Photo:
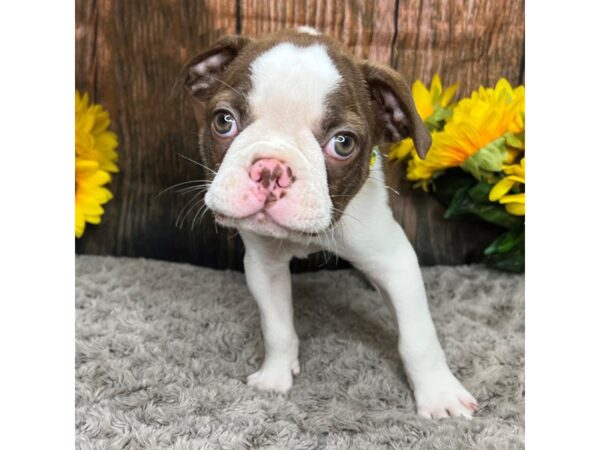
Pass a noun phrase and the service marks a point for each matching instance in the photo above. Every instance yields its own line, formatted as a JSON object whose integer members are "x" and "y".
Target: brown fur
{"x": 357, "y": 105}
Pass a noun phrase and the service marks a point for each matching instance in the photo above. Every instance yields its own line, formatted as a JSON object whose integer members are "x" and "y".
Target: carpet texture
{"x": 163, "y": 349}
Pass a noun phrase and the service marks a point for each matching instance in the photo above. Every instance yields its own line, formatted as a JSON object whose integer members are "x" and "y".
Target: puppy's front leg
{"x": 268, "y": 277}
{"x": 392, "y": 264}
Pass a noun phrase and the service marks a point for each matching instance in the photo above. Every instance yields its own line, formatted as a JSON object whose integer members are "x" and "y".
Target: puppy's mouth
{"x": 260, "y": 221}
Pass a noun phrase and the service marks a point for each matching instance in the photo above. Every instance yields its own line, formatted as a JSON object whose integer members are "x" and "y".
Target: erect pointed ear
{"x": 202, "y": 73}
{"x": 394, "y": 107}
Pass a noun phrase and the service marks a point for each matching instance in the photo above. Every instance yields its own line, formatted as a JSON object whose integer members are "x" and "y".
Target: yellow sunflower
{"x": 429, "y": 101}
{"x": 89, "y": 193}
{"x": 476, "y": 135}
{"x": 95, "y": 157}
{"x": 515, "y": 181}
{"x": 432, "y": 106}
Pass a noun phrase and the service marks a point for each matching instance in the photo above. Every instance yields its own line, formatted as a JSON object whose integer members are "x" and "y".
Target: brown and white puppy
{"x": 288, "y": 123}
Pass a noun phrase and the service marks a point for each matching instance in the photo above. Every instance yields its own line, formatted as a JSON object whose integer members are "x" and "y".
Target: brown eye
{"x": 224, "y": 124}
{"x": 341, "y": 146}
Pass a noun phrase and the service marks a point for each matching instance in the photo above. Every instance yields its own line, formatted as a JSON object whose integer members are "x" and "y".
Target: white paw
{"x": 274, "y": 376}
{"x": 441, "y": 395}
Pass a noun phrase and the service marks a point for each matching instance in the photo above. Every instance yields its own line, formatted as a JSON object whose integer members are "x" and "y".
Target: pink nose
{"x": 271, "y": 177}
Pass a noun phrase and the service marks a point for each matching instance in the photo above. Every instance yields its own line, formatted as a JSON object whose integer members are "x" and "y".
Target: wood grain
{"x": 470, "y": 42}
{"x": 367, "y": 28}
{"x": 128, "y": 57}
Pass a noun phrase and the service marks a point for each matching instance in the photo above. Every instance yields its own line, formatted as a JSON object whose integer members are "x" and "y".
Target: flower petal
{"x": 515, "y": 198}
{"x": 79, "y": 222}
{"x": 516, "y": 169}
{"x": 500, "y": 189}
{"x": 435, "y": 90}
{"x": 93, "y": 219}
{"x": 516, "y": 209}
{"x": 85, "y": 164}
{"x": 422, "y": 100}
{"x": 401, "y": 149}
{"x": 448, "y": 95}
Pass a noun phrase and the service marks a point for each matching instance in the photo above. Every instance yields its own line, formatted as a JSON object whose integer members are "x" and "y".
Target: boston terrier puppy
{"x": 288, "y": 124}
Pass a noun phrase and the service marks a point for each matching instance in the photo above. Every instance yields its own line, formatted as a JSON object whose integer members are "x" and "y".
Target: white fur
{"x": 290, "y": 83}
{"x": 204, "y": 68}
{"x": 368, "y": 236}
{"x": 289, "y": 86}
{"x": 287, "y": 100}
{"x": 308, "y": 30}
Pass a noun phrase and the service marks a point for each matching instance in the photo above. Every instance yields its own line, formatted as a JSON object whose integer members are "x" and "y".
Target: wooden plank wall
{"x": 128, "y": 56}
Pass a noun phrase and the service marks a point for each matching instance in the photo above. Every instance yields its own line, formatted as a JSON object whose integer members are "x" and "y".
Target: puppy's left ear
{"x": 394, "y": 107}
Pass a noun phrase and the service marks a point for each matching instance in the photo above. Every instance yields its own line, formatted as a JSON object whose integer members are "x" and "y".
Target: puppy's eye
{"x": 341, "y": 146}
{"x": 224, "y": 124}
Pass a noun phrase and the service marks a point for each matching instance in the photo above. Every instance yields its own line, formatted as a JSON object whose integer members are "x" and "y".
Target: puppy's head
{"x": 287, "y": 126}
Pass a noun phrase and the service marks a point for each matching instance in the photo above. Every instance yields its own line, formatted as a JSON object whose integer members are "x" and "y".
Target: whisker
{"x": 385, "y": 185}
{"x": 186, "y": 207}
{"x": 333, "y": 243}
{"x": 393, "y": 190}
{"x": 200, "y": 210}
{"x": 187, "y": 190}
{"x": 323, "y": 250}
{"x": 344, "y": 213}
{"x": 181, "y": 184}
{"x": 231, "y": 87}
{"x": 196, "y": 162}
{"x": 203, "y": 214}
{"x": 189, "y": 210}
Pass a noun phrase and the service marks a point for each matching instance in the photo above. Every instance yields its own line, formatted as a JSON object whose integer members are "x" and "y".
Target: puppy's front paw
{"x": 441, "y": 395}
{"x": 274, "y": 377}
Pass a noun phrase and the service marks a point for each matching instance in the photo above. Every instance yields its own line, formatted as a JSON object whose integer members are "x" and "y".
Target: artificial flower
{"x": 432, "y": 106}
{"x": 95, "y": 157}
{"x": 93, "y": 140}
{"x": 89, "y": 194}
{"x": 513, "y": 181}
{"x": 429, "y": 102}
{"x": 475, "y": 136}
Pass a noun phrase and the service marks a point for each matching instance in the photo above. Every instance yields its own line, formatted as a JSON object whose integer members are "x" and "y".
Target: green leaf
{"x": 445, "y": 186}
{"x": 467, "y": 200}
{"x": 507, "y": 241}
{"x": 437, "y": 120}
{"x": 507, "y": 252}
{"x": 513, "y": 261}
{"x": 515, "y": 141}
{"x": 460, "y": 203}
{"x": 483, "y": 163}
{"x": 480, "y": 193}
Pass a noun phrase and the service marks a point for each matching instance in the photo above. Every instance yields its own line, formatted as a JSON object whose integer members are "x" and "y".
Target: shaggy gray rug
{"x": 163, "y": 350}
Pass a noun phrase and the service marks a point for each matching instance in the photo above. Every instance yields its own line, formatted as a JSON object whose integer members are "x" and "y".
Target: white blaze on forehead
{"x": 290, "y": 84}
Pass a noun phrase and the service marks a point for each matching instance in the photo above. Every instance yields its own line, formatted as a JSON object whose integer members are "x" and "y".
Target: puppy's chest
{"x": 361, "y": 220}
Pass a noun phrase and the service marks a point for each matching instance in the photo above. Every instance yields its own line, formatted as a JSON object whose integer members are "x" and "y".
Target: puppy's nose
{"x": 271, "y": 176}
{"x": 271, "y": 172}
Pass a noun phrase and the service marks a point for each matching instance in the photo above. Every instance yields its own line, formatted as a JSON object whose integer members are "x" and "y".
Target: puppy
{"x": 288, "y": 124}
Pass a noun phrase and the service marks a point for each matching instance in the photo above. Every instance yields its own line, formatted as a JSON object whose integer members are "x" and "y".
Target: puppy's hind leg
{"x": 269, "y": 281}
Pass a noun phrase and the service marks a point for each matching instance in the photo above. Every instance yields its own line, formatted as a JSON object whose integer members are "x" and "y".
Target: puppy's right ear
{"x": 394, "y": 107}
{"x": 201, "y": 75}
